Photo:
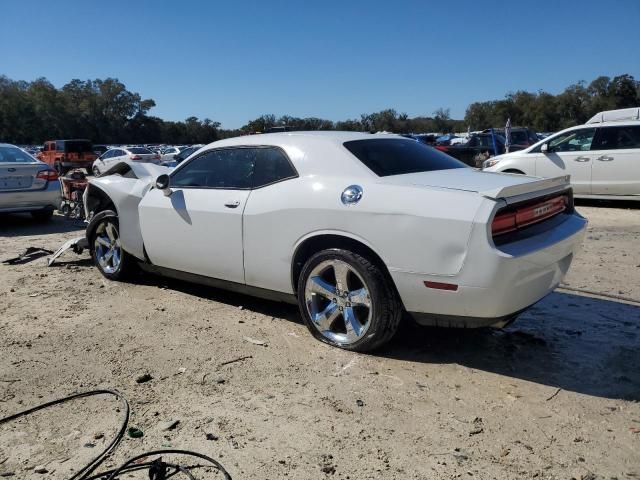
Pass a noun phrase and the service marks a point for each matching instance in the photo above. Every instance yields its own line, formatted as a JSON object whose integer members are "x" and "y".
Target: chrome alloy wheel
{"x": 107, "y": 247}
{"x": 338, "y": 302}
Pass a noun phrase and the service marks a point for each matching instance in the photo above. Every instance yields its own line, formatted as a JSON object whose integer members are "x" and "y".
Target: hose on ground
{"x": 157, "y": 468}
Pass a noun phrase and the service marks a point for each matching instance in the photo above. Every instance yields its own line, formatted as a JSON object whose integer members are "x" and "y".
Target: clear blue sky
{"x": 232, "y": 61}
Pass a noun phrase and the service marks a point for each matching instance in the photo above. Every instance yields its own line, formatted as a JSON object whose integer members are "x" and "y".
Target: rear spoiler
{"x": 523, "y": 191}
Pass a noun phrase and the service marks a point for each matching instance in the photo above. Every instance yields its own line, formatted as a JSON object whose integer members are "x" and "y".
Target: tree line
{"x": 105, "y": 111}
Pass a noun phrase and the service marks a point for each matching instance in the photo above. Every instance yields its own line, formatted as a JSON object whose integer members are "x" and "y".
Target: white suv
{"x": 602, "y": 156}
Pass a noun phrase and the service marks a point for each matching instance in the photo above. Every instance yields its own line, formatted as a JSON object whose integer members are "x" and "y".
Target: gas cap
{"x": 351, "y": 195}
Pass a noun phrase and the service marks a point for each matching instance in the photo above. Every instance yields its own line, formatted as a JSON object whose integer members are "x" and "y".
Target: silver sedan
{"x": 27, "y": 184}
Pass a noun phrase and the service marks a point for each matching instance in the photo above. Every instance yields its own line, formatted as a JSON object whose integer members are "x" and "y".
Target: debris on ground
{"x": 144, "y": 378}
{"x": 260, "y": 343}
{"x": 29, "y": 255}
{"x": 135, "y": 432}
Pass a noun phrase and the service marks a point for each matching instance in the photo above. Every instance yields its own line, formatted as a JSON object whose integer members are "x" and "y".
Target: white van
{"x": 602, "y": 156}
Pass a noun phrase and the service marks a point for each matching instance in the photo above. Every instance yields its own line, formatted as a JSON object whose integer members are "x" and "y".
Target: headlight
{"x": 490, "y": 163}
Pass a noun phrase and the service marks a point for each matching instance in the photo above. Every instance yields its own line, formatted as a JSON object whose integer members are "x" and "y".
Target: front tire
{"x": 107, "y": 252}
{"x": 347, "y": 300}
{"x": 96, "y": 172}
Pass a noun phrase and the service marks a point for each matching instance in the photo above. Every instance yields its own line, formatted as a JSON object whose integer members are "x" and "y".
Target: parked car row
{"x": 602, "y": 157}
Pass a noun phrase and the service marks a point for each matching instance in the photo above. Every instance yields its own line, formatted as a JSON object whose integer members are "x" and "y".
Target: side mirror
{"x": 544, "y": 148}
{"x": 162, "y": 183}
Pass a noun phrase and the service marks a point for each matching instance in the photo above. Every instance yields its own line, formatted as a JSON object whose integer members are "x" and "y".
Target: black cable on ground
{"x": 158, "y": 470}
{"x": 212, "y": 461}
{"x": 93, "y": 464}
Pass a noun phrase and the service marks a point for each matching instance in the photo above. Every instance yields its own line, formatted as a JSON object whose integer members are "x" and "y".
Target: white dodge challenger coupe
{"x": 354, "y": 228}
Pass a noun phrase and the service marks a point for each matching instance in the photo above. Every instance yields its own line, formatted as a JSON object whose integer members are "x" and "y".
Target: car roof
{"x": 315, "y": 152}
{"x": 335, "y": 137}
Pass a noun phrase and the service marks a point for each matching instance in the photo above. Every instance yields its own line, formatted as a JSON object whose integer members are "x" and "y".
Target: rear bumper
{"x": 496, "y": 283}
{"x": 31, "y": 200}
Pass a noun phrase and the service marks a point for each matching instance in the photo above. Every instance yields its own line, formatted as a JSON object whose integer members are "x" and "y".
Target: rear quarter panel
{"x": 413, "y": 229}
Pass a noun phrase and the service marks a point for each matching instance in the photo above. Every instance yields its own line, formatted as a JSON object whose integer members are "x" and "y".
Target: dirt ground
{"x": 555, "y": 395}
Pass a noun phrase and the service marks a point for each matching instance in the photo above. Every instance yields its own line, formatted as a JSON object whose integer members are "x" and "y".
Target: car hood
{"x": 487, "y": 184}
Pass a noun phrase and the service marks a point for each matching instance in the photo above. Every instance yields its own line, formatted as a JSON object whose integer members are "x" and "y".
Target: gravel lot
{"x": 555, "y": 395}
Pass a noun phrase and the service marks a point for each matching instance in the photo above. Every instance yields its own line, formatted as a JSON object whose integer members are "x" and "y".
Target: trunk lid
{"x": 488, "y": 184}
{"x": 20, "y": 176}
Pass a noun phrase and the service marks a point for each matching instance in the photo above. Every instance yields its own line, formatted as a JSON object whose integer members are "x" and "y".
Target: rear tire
{"x": 96, "y": 172}
{"x": 107, "y": 252}
{"x": 347, "y": 300}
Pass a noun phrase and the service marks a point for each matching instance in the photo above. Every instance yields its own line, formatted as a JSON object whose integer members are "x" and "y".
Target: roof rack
{"x": 616, "y": 115}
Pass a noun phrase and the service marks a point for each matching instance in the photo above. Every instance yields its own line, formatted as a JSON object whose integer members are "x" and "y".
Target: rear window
{"x": 15, "y": 155}
{"x": 77, "y": 147}
{"x": 390, "y": 156}
{"x": 140, "y": 151}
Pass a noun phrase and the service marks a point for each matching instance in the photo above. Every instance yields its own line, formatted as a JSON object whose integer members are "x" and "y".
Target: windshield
{"x": 9, "y": 154}
{"x": 386, "y": 156}
{"x": 140, "y": 151}
{"x": 187, "y": 151}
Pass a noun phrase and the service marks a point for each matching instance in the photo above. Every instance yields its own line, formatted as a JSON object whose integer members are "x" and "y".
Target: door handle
{"x": 232, "y": 203}
{"x": 581, "y": 159}
{"x": 605, "y": 158}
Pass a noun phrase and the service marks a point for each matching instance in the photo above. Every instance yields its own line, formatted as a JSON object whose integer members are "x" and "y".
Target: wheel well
{"x": 97, "y": 200}
{"x": 513, "y": 170}
{"x": 322, "y": 242}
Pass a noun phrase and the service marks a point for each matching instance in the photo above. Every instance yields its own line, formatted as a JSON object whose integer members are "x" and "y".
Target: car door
{"x": 198, "y": 227}
{"x": 616, "y": 167}
{"x": 119, "y": 155}
{"x": 569, "y": 153}
{"x": 103, "y": 161}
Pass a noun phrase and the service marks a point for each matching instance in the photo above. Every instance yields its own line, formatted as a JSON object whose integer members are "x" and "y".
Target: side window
{"x": 486, "y": 142}
{"x": 617, "y": 138}
{"x": 533, "y": 138}
{"x": 574, "y": 141}
{"x": 230, "y": 168}
{"x": 272, "y": 165}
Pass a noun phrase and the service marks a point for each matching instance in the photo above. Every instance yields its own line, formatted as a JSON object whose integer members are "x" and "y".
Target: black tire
{"x": 386, "y": 307}
{"x": 95, "y": 171}
{"x": 127, "y": 264}
{"x": 42, "y": 215}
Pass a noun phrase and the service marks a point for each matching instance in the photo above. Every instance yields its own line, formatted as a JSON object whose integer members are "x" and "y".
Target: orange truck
{"x": 65, "y": 155}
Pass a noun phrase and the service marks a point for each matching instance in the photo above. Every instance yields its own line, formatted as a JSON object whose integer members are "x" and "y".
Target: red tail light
{"x": 156, "y": 157}
{"x": 442, "y": 148}
{"x": 452, "y": 287}
{"x": 135, "y": 158}
{"x": 48, "y": 175}
{"x": 528, "y": 214}
{"x": 504, "y": 223}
